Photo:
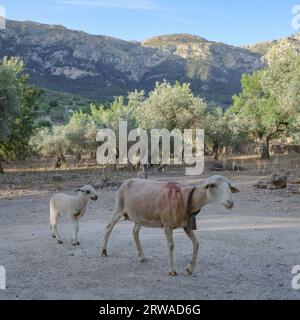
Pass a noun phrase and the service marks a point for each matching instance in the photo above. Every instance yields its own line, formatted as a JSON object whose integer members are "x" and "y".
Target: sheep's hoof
{"x": 104, "y": 253}
{"x": 58, "y": 240}
{"x": 173, "y": 273}
{"x": 75, "y": 243}
{"x": 189, "y": 272}
{"x": 144, "y": 260}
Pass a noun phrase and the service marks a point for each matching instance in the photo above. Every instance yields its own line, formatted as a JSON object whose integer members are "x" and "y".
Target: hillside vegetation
{"x": 101, "y": 67}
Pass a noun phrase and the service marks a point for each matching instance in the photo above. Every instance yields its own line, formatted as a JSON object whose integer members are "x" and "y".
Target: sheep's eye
{"x": 88, "y": 191}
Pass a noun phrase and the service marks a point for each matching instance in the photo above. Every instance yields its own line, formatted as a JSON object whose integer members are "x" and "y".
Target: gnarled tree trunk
{"x": 216, "y": 152}
{"x": 58, "y": 163}
{"x": 265, "y": 150}
{"x": 93, "y": 155}
{"x": 60, "y": 159}
{"x": 1, "y": 168}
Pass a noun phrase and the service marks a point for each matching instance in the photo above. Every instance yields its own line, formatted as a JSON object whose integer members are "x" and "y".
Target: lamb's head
{"x": 220, "y": 190}
{"x": 88, "y": 192}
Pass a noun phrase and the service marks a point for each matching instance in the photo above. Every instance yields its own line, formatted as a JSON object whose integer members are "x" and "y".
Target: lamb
{"x": 167, "y": 205}
{"x": 72, "y": 206}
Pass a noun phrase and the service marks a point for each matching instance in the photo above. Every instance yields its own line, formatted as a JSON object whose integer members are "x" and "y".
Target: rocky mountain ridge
{"x": 101, "y": 67}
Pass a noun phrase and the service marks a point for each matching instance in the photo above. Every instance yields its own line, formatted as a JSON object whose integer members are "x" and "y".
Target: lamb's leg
{"x": 75, "y": 241}
{"x": 53, "y": 226}
{"x": 116, "y": 217}
{"x": 136, "y": 231}
{"x": 195, "y": 242}
{"x": 169, "y": 236}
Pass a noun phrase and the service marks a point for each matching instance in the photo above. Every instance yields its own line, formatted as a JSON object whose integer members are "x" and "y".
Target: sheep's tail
{"x": 119, "y": 206}
{"x": 120, "y": 199}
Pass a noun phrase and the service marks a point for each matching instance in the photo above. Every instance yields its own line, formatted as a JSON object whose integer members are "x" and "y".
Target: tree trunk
{"x": 63, "y": 158}
{"x": 216, "y": 152}
{"x": 58, "y": 162}
{"x": 93, "y": 155}
{"x": 265, "y": 150}
{"x": 78, "y": 157}
{"x": 1, "y": 168}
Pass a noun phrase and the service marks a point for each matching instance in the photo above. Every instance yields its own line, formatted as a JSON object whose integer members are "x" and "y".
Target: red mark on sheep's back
{"x": 173, "y": 188}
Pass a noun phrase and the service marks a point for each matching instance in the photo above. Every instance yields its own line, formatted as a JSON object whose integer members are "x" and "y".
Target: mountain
{"x": 100, "y": 67}
{"x": 266, "y": 49}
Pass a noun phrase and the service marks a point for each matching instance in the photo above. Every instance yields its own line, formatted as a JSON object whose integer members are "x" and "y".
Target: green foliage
{"x": 23, "y": 125}
{"x": 221, "y": 130}
{"x": 60, "y": 140}
{"x": 21, "y": 122}
{"x": 267, "y": 108}
{"x": 57, "y": 105}
{"x": 50, "y": 142}
{"x": 80, "y": 132}
{"x": 166, "y": 107}
{"x": 109, "y": 117}
{"x": 9, "y": 100}
{"x": 78, "y": 135}
{"x": 270, "y": 99}
{"x": 282, "y": 81}
{"x": 171, "y": 106}
{"x": 255, "y": 106}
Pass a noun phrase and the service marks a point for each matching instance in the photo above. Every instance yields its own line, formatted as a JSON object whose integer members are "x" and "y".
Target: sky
{"x": 236, "y": 22}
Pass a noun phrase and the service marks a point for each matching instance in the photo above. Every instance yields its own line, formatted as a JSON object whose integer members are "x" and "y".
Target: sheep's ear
{"x": 234, "y": 189}
{"x": 210, "y": 185}
{"x": 77, "y": 190}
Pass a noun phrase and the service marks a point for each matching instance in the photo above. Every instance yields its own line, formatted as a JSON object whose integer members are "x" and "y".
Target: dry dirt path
{"x": 246, "y": 253}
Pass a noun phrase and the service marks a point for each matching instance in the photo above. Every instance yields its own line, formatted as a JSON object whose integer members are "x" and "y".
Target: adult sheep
{"x": 167, "y": 205}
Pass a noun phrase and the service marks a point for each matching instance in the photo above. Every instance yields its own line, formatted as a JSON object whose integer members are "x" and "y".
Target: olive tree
{"x": 270, "y": 99}
{"x": 171, "y": 106}
{"x": 220, "y": 130}
{"x": 17, "y": 109}
{"x": 9, "y": 103}
{"x": 51, "y": 142}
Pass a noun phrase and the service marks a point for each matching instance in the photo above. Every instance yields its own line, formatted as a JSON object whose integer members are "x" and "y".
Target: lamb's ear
{"x": 77, "y": 190}
{"x": 234, "y": 189}
{"x": 209, "y": 185}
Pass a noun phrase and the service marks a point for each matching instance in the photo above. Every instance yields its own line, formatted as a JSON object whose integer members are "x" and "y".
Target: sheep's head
{"x": 220, "y": 190}
{"x": 89, "y": 192}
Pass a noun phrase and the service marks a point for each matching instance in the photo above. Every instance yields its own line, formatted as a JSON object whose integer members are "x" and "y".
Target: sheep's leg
{"x": 195, "y": 242}
{"x": 75, "y": 241}
{"x": 53, "y": 226}
{"x": 169, "y": 236}
{"x": 136, "y": 231}
{"x": 116, "y": 217}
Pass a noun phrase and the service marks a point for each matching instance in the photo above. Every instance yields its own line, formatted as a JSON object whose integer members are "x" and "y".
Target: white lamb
{"x": 72, "y": 206}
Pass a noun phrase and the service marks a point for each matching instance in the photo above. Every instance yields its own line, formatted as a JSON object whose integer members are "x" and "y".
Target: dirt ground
{"x": 245, "y": 253}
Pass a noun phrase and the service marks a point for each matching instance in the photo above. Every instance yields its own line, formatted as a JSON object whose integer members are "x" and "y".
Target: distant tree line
{"x": 267, "y": 108}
